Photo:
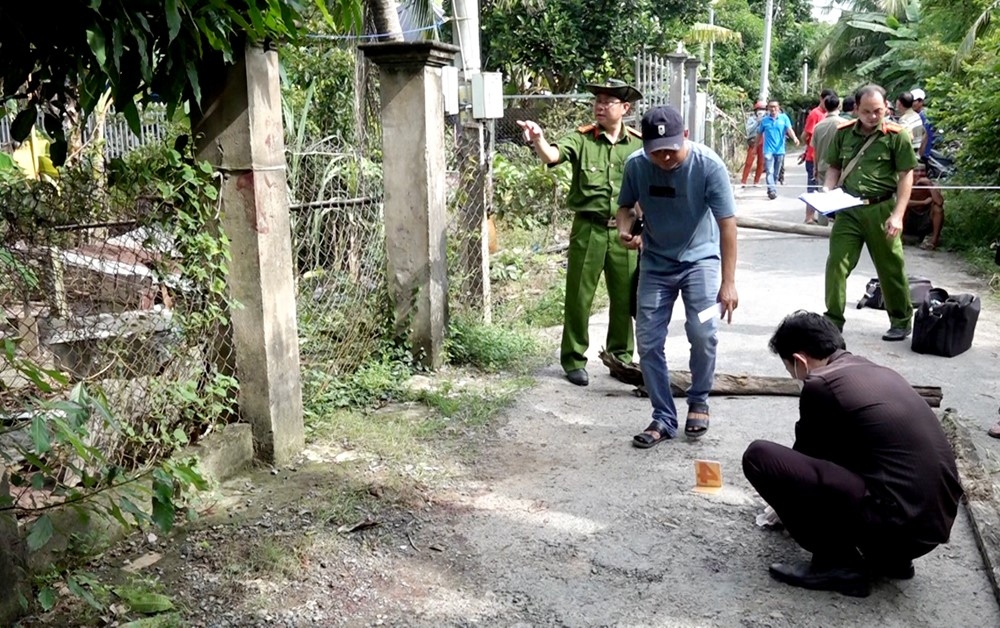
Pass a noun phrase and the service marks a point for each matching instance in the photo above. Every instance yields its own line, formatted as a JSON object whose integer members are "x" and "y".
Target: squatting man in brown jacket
{"x": 870, "y": 483}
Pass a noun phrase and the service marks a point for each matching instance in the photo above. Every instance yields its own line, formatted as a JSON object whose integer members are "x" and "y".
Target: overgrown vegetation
{"x": 67, "y": 445}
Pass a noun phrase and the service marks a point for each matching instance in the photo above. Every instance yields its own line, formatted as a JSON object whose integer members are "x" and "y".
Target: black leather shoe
{"x": 578, "y": 377}
{"x": 896, "y": 334}
{"x": 895, "y": 570}
{"x": 842, "y": 579}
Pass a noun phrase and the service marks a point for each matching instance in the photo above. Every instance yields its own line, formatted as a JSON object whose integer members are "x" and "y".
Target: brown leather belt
{"x": 599, "y": 219}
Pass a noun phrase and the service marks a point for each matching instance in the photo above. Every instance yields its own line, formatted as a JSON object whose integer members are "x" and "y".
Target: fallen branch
{"x": 733, "y": 385}
{"x": 747, "y": 222}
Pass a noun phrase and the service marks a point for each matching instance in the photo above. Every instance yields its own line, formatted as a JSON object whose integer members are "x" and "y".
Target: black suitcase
{"x": 919, "y": 287}
{"x": 945, "y": 324}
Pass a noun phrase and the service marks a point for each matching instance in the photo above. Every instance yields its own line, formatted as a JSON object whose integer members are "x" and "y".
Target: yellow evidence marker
{"x": 707, "y": 476}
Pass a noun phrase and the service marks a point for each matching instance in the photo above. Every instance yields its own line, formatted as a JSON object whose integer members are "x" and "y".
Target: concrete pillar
{"x": 240, "y": 133}
{"x": 676, "y": 61}
{"x": 414, "y": 209}
{"x": 691, "y": 116}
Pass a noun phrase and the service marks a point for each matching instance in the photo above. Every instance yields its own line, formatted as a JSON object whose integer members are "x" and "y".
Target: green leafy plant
{"x": 140, "y": 51}
{"x": 527, "y": 193}
{"x": 63, "y": 458}
{"x": 491, "y": 347}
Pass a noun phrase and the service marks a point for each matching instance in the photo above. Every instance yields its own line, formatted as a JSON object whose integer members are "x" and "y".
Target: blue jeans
{"x": 812, "y": 184}
{"x": 772, "y": 165}
{"x": 698, "y": 285}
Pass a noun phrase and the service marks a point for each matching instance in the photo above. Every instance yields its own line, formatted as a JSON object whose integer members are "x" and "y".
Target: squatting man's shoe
{"x": 820, "y": 576}
{"x": 578, "y": 377}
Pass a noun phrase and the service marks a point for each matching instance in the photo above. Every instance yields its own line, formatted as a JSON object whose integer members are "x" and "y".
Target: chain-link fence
{"x": 110, "y": 282}
{"x": 333, "y": 154}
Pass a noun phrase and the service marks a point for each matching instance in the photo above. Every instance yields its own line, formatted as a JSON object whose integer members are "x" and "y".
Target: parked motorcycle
{"x": 939, "y": 165}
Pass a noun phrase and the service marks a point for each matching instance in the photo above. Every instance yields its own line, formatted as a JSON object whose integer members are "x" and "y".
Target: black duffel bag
{"x": 919, "y": 287}
{"x": 945, "y": 324}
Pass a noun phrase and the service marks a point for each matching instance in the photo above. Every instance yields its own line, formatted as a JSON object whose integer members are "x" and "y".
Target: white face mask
{"x": 795, "y": 371}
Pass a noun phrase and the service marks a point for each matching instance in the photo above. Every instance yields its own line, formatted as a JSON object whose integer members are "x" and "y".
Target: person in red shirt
{"x": 755, "y": 148}
{"x": 816, "y": 115}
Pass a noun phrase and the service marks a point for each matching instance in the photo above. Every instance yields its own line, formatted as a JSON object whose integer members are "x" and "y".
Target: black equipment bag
{"x": 945, "y": 324}
{"x": 919, "y": 287}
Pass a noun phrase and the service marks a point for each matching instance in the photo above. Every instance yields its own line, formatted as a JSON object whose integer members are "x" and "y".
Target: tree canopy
{"x": 557, "y": 44}
{"x": 140, "y": 51}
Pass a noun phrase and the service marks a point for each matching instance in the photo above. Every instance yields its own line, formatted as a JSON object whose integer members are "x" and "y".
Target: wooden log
{"x": 748, "y": 222}
{"x": 755, "y": 386}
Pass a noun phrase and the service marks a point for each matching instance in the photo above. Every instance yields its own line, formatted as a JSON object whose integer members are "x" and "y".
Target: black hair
{"x": 848, "y": 105}
{"x": 905, "y": 99}
{"x": 826, "y": 92}
{"x": 831, "y": 102}
{"x": 808, "y": 333}
{"x": 868, "y": 90}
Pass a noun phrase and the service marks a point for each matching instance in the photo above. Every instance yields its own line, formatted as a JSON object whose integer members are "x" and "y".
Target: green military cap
{"x": 614, "y": 87}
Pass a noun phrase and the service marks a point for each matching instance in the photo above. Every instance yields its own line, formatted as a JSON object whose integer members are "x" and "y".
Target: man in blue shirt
{"x": 927, "y": 142}
{"x": 681, "y": 191}
{"x": 773, "y": 129}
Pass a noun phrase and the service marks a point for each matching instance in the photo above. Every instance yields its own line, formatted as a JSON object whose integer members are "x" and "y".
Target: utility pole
{"x": 765, "y": 64}
{"x": 475, "y": 167}
{"x": 805, "y": 78}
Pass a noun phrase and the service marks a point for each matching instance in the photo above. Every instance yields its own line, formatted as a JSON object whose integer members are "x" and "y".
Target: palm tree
{"x": 979, "y": 28}
{"x": 874, "y": 40}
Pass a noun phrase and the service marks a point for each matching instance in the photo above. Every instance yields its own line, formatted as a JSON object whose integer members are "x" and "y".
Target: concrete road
{"x": 570, "y": 525}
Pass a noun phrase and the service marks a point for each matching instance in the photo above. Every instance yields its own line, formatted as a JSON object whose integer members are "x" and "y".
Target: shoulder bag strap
{"x": 854, "y": 162}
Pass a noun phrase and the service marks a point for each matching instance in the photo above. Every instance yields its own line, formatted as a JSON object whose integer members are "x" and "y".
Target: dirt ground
{"x": 553, "y": 518}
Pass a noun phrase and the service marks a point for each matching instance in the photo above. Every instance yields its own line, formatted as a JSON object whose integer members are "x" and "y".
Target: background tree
{"x": 557, "y": 44}
{"x": 140, "y": 51}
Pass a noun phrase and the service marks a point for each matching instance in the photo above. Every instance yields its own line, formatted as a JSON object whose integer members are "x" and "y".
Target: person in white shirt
{"x": 910, "y": 119}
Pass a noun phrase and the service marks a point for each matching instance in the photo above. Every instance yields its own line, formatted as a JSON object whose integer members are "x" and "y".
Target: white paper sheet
{"x": 827, "y": 203}
{"x": 710, "y": 312}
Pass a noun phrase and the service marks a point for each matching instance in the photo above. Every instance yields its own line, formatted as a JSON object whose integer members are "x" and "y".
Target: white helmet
{"x": 918, "y": 94}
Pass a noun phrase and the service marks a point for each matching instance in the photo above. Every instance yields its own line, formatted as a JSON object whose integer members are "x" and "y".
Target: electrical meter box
{"x": 487, "y": 95}
{"x": 449, "y": 86}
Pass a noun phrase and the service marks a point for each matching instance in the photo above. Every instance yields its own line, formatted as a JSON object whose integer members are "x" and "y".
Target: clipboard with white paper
{"x": 830, "y": 202}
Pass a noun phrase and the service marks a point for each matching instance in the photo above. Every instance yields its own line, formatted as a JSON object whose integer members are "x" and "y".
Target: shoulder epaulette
{"x": 891, "y": 127}
{"x": 586, "y": 128}
{"x": 635, "y": 132}
{"x": 847, "y": 124}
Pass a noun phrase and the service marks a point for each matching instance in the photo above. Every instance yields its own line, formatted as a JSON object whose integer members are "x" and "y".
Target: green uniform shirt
{"x": 598, "y": 166}
{"x": 878, "y": 170}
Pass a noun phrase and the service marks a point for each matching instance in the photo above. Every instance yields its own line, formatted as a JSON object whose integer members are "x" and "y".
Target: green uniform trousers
{"x": 594, "y": 248}
{"x": 866, "y": 226}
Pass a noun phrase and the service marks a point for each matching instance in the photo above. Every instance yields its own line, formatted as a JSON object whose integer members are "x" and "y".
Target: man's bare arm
{"x": 832, "y": 178}
{"x": 728, "y": 296}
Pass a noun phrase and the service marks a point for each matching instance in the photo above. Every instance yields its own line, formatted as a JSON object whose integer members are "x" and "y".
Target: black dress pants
{"x": 825, "y": 507}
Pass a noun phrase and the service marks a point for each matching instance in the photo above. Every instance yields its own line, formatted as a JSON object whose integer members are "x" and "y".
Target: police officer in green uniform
{"x": 597, "y": 154}
{"x": 873, "y": 159}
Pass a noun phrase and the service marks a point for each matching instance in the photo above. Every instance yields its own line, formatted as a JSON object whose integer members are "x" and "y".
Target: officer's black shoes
{"x": 896, "y": 334}
{"x": 578, "y": 377}
{"x": 845, "y": 579}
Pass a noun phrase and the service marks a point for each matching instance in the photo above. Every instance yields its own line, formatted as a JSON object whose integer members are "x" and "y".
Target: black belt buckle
{"x": 875, "y": 200}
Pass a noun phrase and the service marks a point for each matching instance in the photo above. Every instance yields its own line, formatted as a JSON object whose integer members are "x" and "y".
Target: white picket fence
{"x": 118, "y": 137}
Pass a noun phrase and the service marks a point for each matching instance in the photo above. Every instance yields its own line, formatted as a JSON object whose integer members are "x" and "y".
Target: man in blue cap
{"x": 681, "y": 190}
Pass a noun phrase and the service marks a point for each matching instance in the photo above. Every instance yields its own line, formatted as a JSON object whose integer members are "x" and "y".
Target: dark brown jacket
{"x": 868, "y": 419}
